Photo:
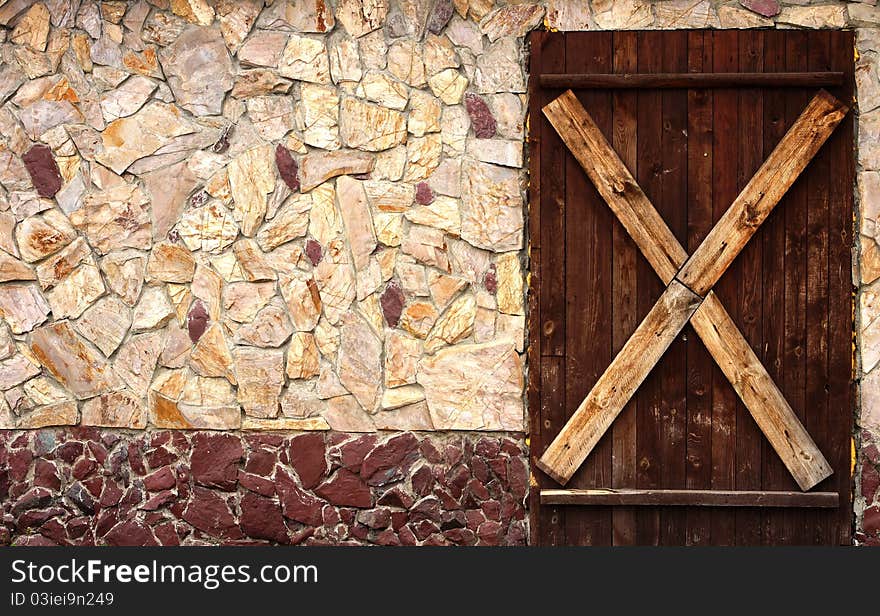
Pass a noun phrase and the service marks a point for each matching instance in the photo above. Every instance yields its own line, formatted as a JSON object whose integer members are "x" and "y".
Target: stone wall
{"x": 298, "y": 216}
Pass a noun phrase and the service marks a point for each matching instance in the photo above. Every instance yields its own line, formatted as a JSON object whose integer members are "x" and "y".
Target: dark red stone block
{"x": 69, "y": 451}
{"x": 261, "y": 518}
{"x": 395, "y": 497}
{"x": 351, "y": 454}
{"x": 159, "y": 500}
{"x": 314, "y": 251}
{"x": 35, "y": 498}
{"x": 296, "y": 503}
{"x": 130, "y": 533}
{"x": 287, "y": 167}
{"x": 159, "y": 457}
{"x": 766, "y": 8}
{"x": 392, "y": 301}
{"x": 160, "y": 480}
{"x": 215, "y": 459}
{"x": 196, "y": 321}
{"x": 490, "y": 533}
{"x": 482, "y": 120}
{"x": 377, "y": 519}
{"x": 41, "y": 165}
{"x": 460, "y": 536}
{"x": 307, "y": 455}
{"x": 423, "y": 481}
{"x": 518, "y": 476}
{"x": 424, "y": 194}
{"x": 46, "y": 475}
{"x": 439, "y": 16}
{"x": 490, "y": 280}
{"x": 427, "y": 508}
{"x": 391, "y": 460}
{"x": 346, "y": 489}
{"x": 83, "y": 468}
{"x": 257, "y": 484}
{"x": 387, "y": 537}
{"x": 209, "y": 513}
{"x": 260, "y": 462}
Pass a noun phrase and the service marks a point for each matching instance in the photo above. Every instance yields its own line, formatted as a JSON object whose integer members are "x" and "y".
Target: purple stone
{"x": 44, "y": 171}
{"x": 314, "y": 251}
{"x": 767, "y": 8}
{"x": 287, "y": 167}
{"x": 392, "y": 300}
{"x": 197, "y": 320}
{"x": 481, "y": 117}
{"x": 424, "y": 194}
{"x": 440, "y": 16}
{"x": 490, "y": 280}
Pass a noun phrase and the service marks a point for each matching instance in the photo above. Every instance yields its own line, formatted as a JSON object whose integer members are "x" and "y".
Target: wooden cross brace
{"x": 688, "y": 296}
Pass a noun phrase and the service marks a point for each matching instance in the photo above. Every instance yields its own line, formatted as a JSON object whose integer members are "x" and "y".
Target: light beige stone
{"x": 418, "y": 318}
{"x": 252, "y": 262}
{"x": 299, "y": 401}
{"x": 243, "y": 300}
{"x": 305, "y": 59}
{"x": 135, "y": 361}
{"x": 424, "y": 116}
{"x": 169, "y": 188}
{"x": 210, "y": 228}
{"x": 685, "y": 14}
{"x": 33, "y": 28}
{"x": 448, "y": 85}
{"x": 345, "y": 414}
{"x": 510, "y": 283}
{"x": 442, "y": 213}
{"x": 402, "y": 354}
{"x": 497, "y": 151}
{"x": 153, "y": 310}
{"x": 439, "y": 53}
{"x": 454, "y": 126}
{"x": 263, "y": 48}
{"x": 423, "y": 157}
{"x": 569, "y": 15}
{"x": 357, "y": 220}
{"x": 444, "y": 288}
{"x": 484, "y": 324}
{"x": 260, "y": 377}
{"x": 455, "y": 324}
{"x": 390, "y": 164}
{"x": 380, "y": 88}
{"x": 22, "y": 307}
{"x": 499, "y": 69}
{"x": 513, "y": 20}
{"x": 370, "y": 127}
{"x": 360, "y": 361}
{"x": 411, "y": 275}
{"x": 402, "y": 396}
{"x": 170, "y": 263}
{"x": 210, "y": 356}
{"x": 76, "y": 292}
{"x": 821, "y": 16}
{"x": 134, "y": 137}
{"x": 409, "y": 417}
{"x": 259, "y": 82}
{"x": 270, "y": 328}
{"x": 318, "y": 167}
{"x": 236, "y": 17}
{"x": 512, "y": 327}
{"x": 492, "y": 206}
{"x": 118, "y": 409}
{"x": 302, "y": 356}
{"x": 79, "y": 369}
{"x": 14, "y": 269}
{"x": 405, "y": 63}
{"x": 303, "y": 300}
{"x": 285, "y": 423}
{"x": 317, "y": 116}
{"x": 198, "y": 69}
{"x": 251, "y": 179}
{"x": 474, "y": 387}
{"x": 272, "y": 116}
{"x": 124, "y": 272}
{"x": 115, "y": 218}
{"x": 736, "y": 17}
{"x": 335, "y": 277}
{"x": 428, "y": 246}
{"x": 127, "y": 98}
{"x": 41, "y": 236}
{"x": 105, "y": 323}
{"x": 622, "y": 14}
{"x": 360, "y": 17}
{"x": 16, "y": 370}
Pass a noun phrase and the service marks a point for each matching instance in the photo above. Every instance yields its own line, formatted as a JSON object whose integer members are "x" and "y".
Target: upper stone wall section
{"x": 299, "y": 215}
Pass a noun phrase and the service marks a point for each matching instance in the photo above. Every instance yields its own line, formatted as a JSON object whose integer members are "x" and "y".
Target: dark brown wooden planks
{"x": 692, "y": 498}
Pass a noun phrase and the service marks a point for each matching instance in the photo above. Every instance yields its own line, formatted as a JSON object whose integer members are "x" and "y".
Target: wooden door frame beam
{"x": 814, "y": 79}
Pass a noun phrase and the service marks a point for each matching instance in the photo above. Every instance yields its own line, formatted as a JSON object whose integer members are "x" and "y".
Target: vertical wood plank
{"x": 774, "y": 474}
{"x": 748, "y": 436}
{"x": 840, "y": 323}
{"x": 818, "y": 526}
{"x": 673, "y": 367}
{"x": 795, "y": 208}
{"x": 624, "y": 290}
{"x": 726, "y": 135}
{"x": 650, "y": 177}
{"x": 699, "y": 363}
{"x": 551, "y": 307}
{"x": 588, "y": 225}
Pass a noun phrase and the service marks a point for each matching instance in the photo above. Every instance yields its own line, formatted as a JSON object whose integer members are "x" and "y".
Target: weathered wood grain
{"x": 690, "y": 498}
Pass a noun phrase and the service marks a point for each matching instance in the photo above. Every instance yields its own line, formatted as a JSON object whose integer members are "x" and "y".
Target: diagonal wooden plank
{"x": 712, "y": 323}
{"x": 619, "y": 382}
{"x": 656, "y": 332}
{"x": 742, "y": 219}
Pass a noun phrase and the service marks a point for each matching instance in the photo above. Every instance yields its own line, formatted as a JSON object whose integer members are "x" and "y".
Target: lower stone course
{"x": 84, "y": 486}
{"x": 868, "y": 530}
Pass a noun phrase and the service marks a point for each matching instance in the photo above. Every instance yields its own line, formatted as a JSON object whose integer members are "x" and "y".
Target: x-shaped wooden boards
{"x": 688, "y": 295}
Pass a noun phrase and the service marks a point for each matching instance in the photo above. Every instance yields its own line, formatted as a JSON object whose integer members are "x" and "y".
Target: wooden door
{"x": 685, "y": 463}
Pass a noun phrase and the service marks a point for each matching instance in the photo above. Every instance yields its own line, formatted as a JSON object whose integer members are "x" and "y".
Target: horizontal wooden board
{"x": 817, "y": 79}
{"x": 689, "y": 498}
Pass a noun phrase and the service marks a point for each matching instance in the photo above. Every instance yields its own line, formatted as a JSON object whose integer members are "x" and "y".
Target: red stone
{"x": 130, "y": 533}
{"x": 766, "y": 8}
{"x": 307, "y": 456}
{"x": 260, "y": 462}
{"x": 98, "y": 451}
{"x": 160, "y": 456}
{"x": 387, "y": 537}
{"x": 460, "y": 536}
{"x": 215, "y": 459}
{"x": 69, "y": 451}
{"x": 38, "y": 517}
{"x": 423, "y": 481}
{"x": 427, "y": 508}
{"x": 392, "y": 301}
{"x": 395, "y": 497}
{"x": 209, "y": 513}
{"x": 160, "y": 480}
{"x": 157, "y": 501}
{"x": 261, "y": 519}
{"x": 440, "y": 16}
{"x": 196, "y": 321}
{"x": 480, "y": 469}
{"x": 296, "y": 503}
{"x": 43, "y": 170}
{"x": 871, "y": 520}
{"x": 490, "y": 533}
{"x": 490, "y": 280}
{"x": 430, "y": 452}
{"x": 491, "y": 509}
{"x": 352, "y": 453}
{"x": 83, "y": 468}
{"x": 482, "y": 120}
{"x": 257, "y": 484}
{"x": 287, "y": 167}
{"x": 398, "y": 519}
{"x": 345, "y": 489}
{"x": 35, "y": 498}
{"x": 314, "y": 251}
{"x": 46, "y": 475}
{"x": 518, "y": 476}
{"x": 376, "y": 519}
{"x": 136, "y": 458}
{"x": 424, "y": 194}
{"x": 870, "y": 481}
{"x": 166, "y": 534}
{"x": 111, "y": 495}
{"x": 407, "y": 536}
{"x": 423, "y": 529}
{"x": 391, "y": 460}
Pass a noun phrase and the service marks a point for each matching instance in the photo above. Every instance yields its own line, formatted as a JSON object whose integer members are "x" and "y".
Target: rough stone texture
{"x": 91, "y": 486}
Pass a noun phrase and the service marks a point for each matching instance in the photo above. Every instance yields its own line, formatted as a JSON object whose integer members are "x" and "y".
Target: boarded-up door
{"x": 691, "y": 148}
